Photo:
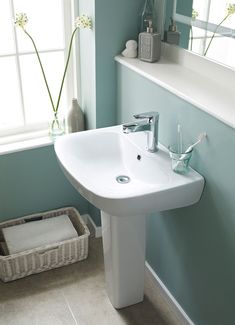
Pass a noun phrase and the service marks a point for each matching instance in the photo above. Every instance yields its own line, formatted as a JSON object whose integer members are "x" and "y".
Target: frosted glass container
{"x": 180, "y": 159}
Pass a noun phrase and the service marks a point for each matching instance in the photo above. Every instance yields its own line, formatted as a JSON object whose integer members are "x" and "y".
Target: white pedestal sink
{"x": 115, "y": 172}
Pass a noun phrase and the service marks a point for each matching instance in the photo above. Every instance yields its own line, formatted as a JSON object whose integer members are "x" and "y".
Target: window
{"x": 207, "y": 28}
{"x": 223, "y": 45}
{"x": 24, "y": 102}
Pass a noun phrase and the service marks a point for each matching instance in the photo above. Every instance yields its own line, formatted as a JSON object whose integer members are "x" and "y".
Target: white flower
{"x": 231, "y": 8}
{"x": 21, "y": 20}
{"x": 194, "y": 14}
{"x": 83, "y": 21}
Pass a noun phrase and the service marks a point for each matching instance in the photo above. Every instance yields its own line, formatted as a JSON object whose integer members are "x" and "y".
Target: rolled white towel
{"x": 38, "y": 233}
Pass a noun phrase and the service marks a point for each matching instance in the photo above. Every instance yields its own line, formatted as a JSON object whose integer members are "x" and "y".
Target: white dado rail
{"x": 201, "y": 82}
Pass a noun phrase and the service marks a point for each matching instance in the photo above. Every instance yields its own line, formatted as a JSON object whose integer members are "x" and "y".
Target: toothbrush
{"x": 200, "y": 138}
{"x": 179, "y": 142}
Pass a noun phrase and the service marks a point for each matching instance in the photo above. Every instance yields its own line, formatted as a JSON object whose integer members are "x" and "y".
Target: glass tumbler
{"x": 180, "y": 160}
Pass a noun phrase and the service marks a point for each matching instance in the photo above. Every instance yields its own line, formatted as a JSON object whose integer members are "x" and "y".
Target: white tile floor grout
{"x": 71, "y": 312}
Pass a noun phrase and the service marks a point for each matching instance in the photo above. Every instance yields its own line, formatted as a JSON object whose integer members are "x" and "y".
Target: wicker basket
{"x": 48, "y": 257}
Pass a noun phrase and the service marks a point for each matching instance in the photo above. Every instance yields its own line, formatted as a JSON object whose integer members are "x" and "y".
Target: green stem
{"x": 43, "y": 73}
{"x": 215, "y": 33}
{"x": 65, "y": 69}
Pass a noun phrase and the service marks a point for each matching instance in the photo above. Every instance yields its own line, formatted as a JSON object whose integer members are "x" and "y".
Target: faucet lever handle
{"x": 147, "y": 115}
{"x": 128, "y": 127}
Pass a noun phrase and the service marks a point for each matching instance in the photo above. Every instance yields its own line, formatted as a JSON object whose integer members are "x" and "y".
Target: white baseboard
{"x": 95, "y": 230}
{"x": 162, "y": 299}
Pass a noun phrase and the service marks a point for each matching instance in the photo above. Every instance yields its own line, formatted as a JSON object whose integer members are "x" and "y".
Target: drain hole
{"x": 123, "y": 179}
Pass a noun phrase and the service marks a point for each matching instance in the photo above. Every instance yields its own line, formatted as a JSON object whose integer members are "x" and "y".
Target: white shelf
{"x": 196, "y": 80}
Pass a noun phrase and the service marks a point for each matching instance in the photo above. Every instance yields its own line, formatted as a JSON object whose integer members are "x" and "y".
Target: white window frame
{"x": 41, "y": 129}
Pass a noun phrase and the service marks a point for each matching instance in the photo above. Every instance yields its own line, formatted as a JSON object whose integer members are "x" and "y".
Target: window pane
{"x": 222, "y": 49}
{"x": 201, "y": 7}
{"x": 6, "y": 30}
{"x": 197, "y": 40}
{"x": 45, "y": 24}
{"x": 10, "y": 107}
{"x": 218, "y": 11}
{"x": 37, "y": 103}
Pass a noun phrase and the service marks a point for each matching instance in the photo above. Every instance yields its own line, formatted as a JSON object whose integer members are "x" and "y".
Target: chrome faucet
{"x": 148, "y": 121}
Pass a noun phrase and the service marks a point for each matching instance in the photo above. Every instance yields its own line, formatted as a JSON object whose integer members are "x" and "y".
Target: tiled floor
{"x": 70, "y": 295}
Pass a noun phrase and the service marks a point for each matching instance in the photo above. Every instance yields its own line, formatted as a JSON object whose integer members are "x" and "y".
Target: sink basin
{"x": 116, "y": 173}
{"x": 93, "y": 160}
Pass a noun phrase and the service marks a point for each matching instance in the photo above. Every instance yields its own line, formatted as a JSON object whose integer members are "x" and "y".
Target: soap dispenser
{"x": 172, "y": 35}
{"x": 149, "y": 44}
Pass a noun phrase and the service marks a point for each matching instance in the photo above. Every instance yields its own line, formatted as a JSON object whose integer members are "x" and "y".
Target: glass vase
{"x": 56, "y": 126}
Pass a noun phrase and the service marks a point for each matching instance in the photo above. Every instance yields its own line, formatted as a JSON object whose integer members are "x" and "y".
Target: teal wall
{"x": 31, "y": 181}
{"x": 114, "y": 22}
{"x": 192, "y": 249}
{"x": 184, "y": 7}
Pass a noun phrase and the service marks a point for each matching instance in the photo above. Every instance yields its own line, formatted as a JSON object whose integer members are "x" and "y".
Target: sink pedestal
{"x": 124, "y": 258}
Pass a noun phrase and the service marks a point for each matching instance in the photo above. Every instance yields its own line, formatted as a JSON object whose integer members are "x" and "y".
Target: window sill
{"x": 26, "y": 144}
{"x": 205, "y": 84}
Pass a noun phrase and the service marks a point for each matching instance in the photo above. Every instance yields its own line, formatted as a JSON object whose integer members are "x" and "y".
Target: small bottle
{"x": 172, "y": 35}
{"x": 75, "y": 117}
{"x": 149, "y": 45}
